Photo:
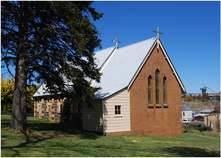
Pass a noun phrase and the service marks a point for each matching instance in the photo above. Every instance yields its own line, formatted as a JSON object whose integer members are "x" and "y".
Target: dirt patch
{"x": 47, "y": 134}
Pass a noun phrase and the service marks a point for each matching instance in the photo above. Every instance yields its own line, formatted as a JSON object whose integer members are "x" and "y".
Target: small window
{"x": 117, "y": 109}
{"x": 183, "y": 113}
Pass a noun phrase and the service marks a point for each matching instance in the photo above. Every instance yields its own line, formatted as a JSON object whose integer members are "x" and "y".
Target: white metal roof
{"x": 100, "y": 58}
{"x": 41, "y": 91}
{"x": 120, "y": 67}
{"x": 102, "y": 55}
{"x": 207, "y": 110}
{"x": 202, "y": 115}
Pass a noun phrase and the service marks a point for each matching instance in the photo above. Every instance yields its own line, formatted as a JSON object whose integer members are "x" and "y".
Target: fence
{"x": 9, "y": 113}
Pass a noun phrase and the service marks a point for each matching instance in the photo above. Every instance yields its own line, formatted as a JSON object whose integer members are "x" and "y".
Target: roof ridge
{"x": 103, "y": 49}
{"x": 137, "y": 42}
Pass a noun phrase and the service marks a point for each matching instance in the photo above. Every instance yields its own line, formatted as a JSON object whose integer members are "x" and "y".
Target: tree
{"x": 51, "y": 43}
{"x": 199, "y": 97}
{"x": 189, "y": 98}
{"x": 7, "y": 91}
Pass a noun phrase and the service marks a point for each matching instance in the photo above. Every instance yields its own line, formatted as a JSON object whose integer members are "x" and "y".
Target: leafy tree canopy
{"x": 59, "y": 44}
{"x": 7, "y": 91}
{"x": 51, "y": 42}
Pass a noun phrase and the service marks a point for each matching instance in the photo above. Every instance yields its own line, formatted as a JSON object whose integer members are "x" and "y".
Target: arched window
{"x": 157, "y": 76}
{"x": 164, "y": 90}
{"x": 149, "y": 90}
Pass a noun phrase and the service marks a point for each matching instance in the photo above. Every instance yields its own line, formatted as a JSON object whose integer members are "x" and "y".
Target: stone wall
{"x": 58, "y": 109}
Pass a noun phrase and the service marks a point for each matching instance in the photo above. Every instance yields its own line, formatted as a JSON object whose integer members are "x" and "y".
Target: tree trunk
{"x": 18, "y": 118}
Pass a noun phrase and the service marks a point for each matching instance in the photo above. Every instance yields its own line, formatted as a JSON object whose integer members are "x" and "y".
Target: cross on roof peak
{"x": 116, "y": 41}
{"x": 158, "y": 32}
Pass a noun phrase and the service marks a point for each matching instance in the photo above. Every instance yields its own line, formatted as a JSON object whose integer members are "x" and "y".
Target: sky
{"x": 191, "y": 34}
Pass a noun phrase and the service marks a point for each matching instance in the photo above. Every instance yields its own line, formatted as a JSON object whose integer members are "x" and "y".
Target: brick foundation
{"x": 119, "y": 133}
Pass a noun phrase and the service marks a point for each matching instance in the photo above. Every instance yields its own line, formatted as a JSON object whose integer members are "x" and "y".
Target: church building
{"x": 140, "y": 94}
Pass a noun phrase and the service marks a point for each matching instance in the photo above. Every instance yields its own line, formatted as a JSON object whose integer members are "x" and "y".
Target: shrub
{"x": 189, "y": 98}
{"x": 188, "y": 127}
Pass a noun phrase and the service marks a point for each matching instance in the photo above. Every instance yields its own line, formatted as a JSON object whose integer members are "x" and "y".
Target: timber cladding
{"x": 156, "y": 119}
{"x": 92, "y": 117}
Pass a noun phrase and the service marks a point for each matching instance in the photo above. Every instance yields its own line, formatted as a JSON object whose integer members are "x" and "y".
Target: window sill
{"x": 150, "y": 106}
{"x": 165, "y": 105}
{"x": 158, "y": 106}
{"x": 118, "y": 116}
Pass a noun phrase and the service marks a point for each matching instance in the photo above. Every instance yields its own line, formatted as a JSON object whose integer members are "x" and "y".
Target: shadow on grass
{"x": 41, "y": 130}
{"x": 192, "y": 152}
{"x": 42, "y": 125}
{"x": 66, "y": 129}
{"x": 25, "y": 144}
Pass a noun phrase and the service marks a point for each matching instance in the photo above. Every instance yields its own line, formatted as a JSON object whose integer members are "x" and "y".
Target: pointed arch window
{"x": 157, "y": 76}
{"x": 149, "y": 90}
{"x": 164, "y": 90}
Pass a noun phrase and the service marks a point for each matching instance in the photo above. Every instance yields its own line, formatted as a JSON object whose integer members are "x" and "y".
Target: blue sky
{"x": 191, "y": 34}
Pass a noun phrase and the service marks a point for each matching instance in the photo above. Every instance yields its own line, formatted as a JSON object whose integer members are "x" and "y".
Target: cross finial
{"x": 116, "y": 41}
{"x": 158, "y": 32}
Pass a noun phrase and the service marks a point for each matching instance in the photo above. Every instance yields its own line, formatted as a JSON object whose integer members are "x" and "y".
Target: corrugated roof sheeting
{"x": 121, "y": 68}
{"x": 118, "y": 66}
{"x": 41, "y": 91}
{"x": 102, "y": 55}
{"x": 207, "y": 110}
{"x": 100, "y": 58}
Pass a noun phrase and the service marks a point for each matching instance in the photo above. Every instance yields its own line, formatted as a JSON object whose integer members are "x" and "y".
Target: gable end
{"x": 168, "y": 60}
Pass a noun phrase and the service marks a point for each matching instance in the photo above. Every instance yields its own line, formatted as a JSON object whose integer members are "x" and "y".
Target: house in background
{"x": 207, "y": 111}
{"x": 186, "y": 112}
{"x": 213, "y": 121}
{"x": 200, "y": 117}
{"x": 194, "y": 113}
{"x": 203, "y": 115}
{"x": 140, "y": 93}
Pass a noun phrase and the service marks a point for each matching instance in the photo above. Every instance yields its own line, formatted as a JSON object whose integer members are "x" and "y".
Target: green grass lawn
{"x": 48, "y": 139}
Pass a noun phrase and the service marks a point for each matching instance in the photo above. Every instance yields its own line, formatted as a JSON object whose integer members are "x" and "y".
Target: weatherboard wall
{"x": 117, "y": 123}
{"x": 187, "y": 115}
{"x": 92, "y": 117}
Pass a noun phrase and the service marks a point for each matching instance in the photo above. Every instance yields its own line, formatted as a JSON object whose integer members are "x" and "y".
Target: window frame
{"x": 165, "y": 90}
{"x": 157, "y": 86}
{"x": 118, "y": 110}
{"x": 150, "y": 80}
